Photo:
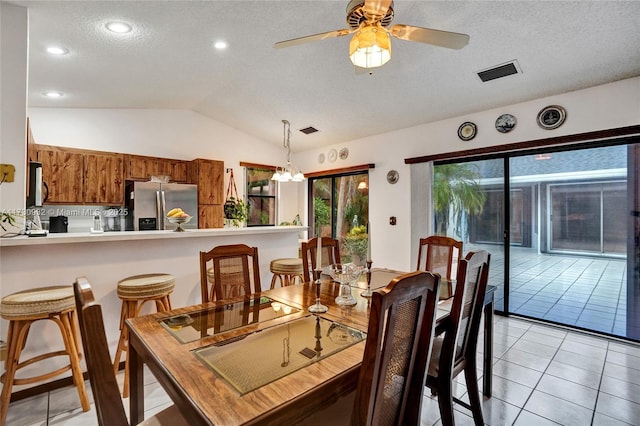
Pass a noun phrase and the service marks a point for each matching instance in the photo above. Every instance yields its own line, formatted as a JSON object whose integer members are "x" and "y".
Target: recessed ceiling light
{"x": 118, "y": 27}
{"x": 53, "y": 94}
{"x": 57, "y": 50}
{"x": 220, "y": 45}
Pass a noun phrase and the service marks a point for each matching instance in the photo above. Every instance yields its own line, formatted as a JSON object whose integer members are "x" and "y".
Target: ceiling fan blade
{"x": 308, "y": 39}
{"x": 429, "y": 36}
{"x": 376, "y": 8}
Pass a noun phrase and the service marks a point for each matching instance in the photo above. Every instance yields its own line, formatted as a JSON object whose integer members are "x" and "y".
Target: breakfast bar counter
{"x": 57, "y": 259}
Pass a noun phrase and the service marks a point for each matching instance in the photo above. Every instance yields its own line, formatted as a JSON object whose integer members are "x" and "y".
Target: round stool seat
{"x": 37, "y": 302}
{"x": 286, "y": 270}
{"x": 146, "y": 286}
{"x": 286, "y": 266}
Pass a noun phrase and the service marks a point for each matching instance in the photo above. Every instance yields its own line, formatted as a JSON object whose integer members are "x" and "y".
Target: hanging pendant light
{"x": 287, "y": 173}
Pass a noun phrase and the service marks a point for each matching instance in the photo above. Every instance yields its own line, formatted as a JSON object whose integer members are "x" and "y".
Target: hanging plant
{"x": 236, "y": 211}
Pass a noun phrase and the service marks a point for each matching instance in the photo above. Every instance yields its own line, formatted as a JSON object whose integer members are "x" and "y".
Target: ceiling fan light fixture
{"x": 370, "y": 47}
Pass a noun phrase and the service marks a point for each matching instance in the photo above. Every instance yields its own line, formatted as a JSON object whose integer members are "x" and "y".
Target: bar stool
{"x": 134, "y": 292}
{"x": 22, "y": 309}
{"x": 286, "y": 270}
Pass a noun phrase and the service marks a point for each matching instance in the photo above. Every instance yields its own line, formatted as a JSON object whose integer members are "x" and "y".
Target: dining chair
{"x": 228, "y": 271}
{"x": 455, "y": 352}
{"x": 330, "y": 255}
{"x": 439, "y": 254}
{"x": 104, "y": 386}
{"x": 399, "y": 340}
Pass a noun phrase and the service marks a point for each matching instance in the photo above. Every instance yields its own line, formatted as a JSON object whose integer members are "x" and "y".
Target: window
{"x": 261, "y": 196}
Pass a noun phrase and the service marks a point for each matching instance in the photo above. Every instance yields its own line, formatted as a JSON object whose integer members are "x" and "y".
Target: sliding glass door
{"x": 561, "y": 229}
{"x": 339, "y": 209}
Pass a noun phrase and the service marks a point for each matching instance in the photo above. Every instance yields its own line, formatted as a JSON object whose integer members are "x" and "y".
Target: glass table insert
{"x": 255, "y": 359}
{"x": 209, "y": 322}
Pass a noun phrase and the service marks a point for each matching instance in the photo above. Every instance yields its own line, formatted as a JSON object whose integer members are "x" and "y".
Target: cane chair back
{"x": 456, "y": 351}
{"x": 228, "y": 271}
{"x": 440, "y": 255}
{"x": 399, "y": 340}
{"x": 330, "y": 255}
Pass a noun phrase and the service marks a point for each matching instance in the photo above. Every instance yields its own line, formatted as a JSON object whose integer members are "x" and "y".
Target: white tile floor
{"x": 543, "y": 375}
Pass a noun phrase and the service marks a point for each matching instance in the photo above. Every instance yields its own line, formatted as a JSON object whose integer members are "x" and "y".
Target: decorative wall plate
{"x": 551, "y": 117}
{"x": 344, "y": 153}
{"x": 392, "y": 176}
{"x": 505, "y": 123}
{"x": 321, "y": 158}
{"x": 333, "y": 155}
{"x": 467, "y": 131}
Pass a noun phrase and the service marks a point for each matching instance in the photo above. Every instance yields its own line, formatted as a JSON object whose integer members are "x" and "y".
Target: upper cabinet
{"x": 62, "y": 173}
{"x": 209, "y": 175}
{"x": 139, "y": 167}
{"x": 81, "y": 177}
{"x": 103, "y": 179}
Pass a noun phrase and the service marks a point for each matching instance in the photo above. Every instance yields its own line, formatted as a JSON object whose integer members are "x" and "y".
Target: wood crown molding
{"x": 343, "y": 170}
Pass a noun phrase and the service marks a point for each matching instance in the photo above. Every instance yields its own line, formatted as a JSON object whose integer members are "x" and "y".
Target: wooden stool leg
{"x": 15, "y": 342}
{"x": 66, "y": 329}
{"x": 129, "y": 308}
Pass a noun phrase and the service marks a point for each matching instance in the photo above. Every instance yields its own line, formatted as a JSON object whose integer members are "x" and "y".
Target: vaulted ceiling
{"x": 168, "y": 60}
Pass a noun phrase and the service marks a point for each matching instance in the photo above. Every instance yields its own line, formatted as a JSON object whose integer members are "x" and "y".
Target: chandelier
{"x": 287, "y": 173}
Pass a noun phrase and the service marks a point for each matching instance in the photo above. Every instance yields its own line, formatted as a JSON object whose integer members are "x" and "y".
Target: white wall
{"x": 602, "y": 107}
{"x": 13, "y": 102}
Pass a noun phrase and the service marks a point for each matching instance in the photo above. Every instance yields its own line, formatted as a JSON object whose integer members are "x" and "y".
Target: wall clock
{"x": 551, "y": 117}
{"x": 392, "y": 176}
{"x": 505, "y": 123}
{"x": 467, "y": 131}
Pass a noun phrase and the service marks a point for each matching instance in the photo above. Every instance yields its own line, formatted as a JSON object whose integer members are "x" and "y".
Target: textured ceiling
{"x": 168, "y": 61}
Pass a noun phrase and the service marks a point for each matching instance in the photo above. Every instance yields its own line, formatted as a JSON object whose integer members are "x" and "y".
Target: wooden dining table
{"x": 263, "y": 358}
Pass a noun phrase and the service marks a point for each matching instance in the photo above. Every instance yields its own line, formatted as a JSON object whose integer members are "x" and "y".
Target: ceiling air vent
{"x": 500, "y": 71}
{"x": 309, "y": 130}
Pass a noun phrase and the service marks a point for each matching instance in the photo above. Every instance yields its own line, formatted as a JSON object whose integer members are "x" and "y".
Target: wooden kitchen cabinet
{"x": 139, "y": 167}
{"x": 176, "y": 169}
{"x": 209, "y": 175}
{"x": 210, "y": 216}
{"x": 104, "y": 179}
{"x": 62, "y": 172}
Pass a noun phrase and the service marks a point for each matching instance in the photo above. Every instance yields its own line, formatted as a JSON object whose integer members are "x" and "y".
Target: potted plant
{"x": 356, "y": 242}
{"x": 235, "y": 212}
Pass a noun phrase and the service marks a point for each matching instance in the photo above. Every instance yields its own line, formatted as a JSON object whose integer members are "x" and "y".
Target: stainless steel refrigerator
{"x": 149, "y": 202}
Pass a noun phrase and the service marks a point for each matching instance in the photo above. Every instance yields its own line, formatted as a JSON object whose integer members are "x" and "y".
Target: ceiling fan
{"x": 370, "y": 46}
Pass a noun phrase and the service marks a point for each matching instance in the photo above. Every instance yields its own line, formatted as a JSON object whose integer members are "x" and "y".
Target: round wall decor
{"x": 321, "y": 158}
{"x": 505, "y": 123}
{"x": 393, "y": 176}
{"x": 467, "y": 131}
{"x": 344, "y": 153}
{"x": 333, "y": 155}
{"x": 551, "y": 117}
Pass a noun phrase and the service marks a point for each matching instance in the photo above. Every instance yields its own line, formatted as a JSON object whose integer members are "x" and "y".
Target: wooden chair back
{"x": 330, "y": 255}
{"x": 399, "y": 340}
{"x": 437, "y": 254}
{"x": 106, "y": 393}
{"x": 228, "y": 271}
{"x": 456, "y": 352}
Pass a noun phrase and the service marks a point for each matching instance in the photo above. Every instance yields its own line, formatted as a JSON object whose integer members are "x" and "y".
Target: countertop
{"x": 87, "y": 237}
